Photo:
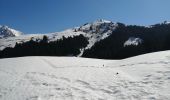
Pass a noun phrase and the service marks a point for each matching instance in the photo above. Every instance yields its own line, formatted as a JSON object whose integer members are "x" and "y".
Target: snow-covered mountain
{"x": 94, "y": 31}
{"x": 5, "y": 32}
{"x": 101, "y": 39}
{"x": 145, "y": 77}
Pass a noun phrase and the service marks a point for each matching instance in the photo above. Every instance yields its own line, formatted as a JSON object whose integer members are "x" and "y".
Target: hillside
{"x": 144, "y": 77}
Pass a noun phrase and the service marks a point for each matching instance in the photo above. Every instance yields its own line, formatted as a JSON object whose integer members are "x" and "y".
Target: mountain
{"x": 5, "y": 32}
{"x": 94, "y": 31}
{"x": 131, "y": 40}
{"x": 99, "y": 39}
{"x": 145, "y": 77}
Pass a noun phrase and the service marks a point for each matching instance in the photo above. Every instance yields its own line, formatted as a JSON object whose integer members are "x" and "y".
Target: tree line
{"x": 63, "y": 47}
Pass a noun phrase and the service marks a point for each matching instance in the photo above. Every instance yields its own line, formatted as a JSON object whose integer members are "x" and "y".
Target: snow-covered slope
{"x": 133, "y": 41}
{"x": 145, "y": 77}
{"x": 5, "y": 32}
{"x": 11, "y": 41}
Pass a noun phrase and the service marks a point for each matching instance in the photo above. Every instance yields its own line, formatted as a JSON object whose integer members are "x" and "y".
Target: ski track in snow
{"x": 70, "y": 78}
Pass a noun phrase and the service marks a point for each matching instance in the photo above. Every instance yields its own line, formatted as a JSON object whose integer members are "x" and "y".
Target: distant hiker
{"x": 103, "y": 65}
{"x": 117, "y": 73}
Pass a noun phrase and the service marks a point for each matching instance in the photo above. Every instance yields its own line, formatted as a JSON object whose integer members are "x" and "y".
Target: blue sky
{"x": 43, "y": 16}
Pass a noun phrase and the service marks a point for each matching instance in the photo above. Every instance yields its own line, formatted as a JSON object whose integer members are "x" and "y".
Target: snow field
{"x": 145, "y": 77}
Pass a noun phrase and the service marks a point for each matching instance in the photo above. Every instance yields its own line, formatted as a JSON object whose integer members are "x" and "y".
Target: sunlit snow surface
{"x": 133, "y": 41}
{"x": 145, "y": 77}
